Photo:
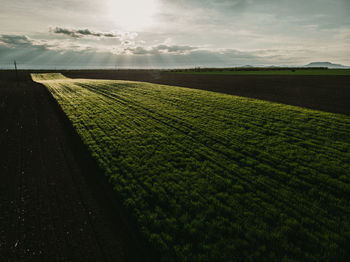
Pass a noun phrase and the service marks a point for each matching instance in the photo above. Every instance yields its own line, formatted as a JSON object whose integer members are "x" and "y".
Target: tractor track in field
{"x": 55, "y": 205}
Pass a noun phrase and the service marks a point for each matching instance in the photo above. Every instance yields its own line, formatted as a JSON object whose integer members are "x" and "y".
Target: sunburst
{"x": 132, "y": 14}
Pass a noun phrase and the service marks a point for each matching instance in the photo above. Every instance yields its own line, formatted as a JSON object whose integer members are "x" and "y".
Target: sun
{"x": 132, "y": 14}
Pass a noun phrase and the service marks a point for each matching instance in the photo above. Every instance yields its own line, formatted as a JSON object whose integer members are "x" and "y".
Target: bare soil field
{"x": 326, "y": 93}
{"x": 54, "y": 202}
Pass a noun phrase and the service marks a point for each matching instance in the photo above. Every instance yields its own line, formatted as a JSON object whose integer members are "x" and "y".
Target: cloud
{"x": 83, "y": 32}
{"x": 224, "y": 5}
{"x": 49, "y": 54}
{"x": 273, "y": 31}
{"x": 15, "y": 40}
{"x": 22, "y": 42}
{"x": 33, "y": 53}
{"x": 159, "y": 49}
{"x": 175, "y": 48}
{"x": 64, "y": 31}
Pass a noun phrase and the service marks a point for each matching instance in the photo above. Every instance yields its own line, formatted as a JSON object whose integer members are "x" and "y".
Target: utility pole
{"x": 16, "y": 70}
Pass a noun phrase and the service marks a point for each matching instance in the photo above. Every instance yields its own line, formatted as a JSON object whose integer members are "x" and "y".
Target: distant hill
{"x": 325, "y": 64}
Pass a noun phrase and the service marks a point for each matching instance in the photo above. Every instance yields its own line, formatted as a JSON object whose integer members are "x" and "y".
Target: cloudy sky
{"x": 172, "y": 33}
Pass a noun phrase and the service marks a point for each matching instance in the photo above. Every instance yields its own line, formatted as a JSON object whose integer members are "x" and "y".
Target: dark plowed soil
{"x": 53, "y": 206}
{"x": 326, "y": 93}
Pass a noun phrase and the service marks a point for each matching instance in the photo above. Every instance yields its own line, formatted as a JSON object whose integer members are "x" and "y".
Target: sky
{"x": 173, "y": 33}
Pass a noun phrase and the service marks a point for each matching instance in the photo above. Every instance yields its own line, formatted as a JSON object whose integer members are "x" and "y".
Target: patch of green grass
{"x": 215, "y": 177}
{"x": 335, "y": 72}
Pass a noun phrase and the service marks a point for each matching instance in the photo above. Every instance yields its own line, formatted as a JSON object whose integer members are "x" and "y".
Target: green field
{"x": 335, "y": 72}
{"x": 215, "y": 177}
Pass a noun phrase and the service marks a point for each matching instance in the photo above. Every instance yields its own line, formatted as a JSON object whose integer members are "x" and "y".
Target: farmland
{"x": 215, "y": 177}
{"x": 320, "y": 92}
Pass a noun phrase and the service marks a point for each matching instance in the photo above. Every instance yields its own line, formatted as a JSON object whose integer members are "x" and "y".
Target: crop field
{"x": 215, "y": 177}
{"x": 306, "y": 72}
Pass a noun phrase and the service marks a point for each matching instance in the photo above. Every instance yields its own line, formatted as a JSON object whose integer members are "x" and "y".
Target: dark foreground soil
{"x": 326, "y": 93}
{"x": 55, "y": 205}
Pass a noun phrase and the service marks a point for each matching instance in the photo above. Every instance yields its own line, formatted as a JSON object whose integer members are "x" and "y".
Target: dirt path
{"x": 51, "y": 206}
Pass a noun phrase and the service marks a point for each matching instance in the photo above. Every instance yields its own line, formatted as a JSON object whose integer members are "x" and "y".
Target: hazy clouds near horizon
{"x": 171, "y": 33}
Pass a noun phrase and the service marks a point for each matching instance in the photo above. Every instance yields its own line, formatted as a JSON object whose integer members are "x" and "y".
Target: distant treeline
{"x": 206, "y": 69}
